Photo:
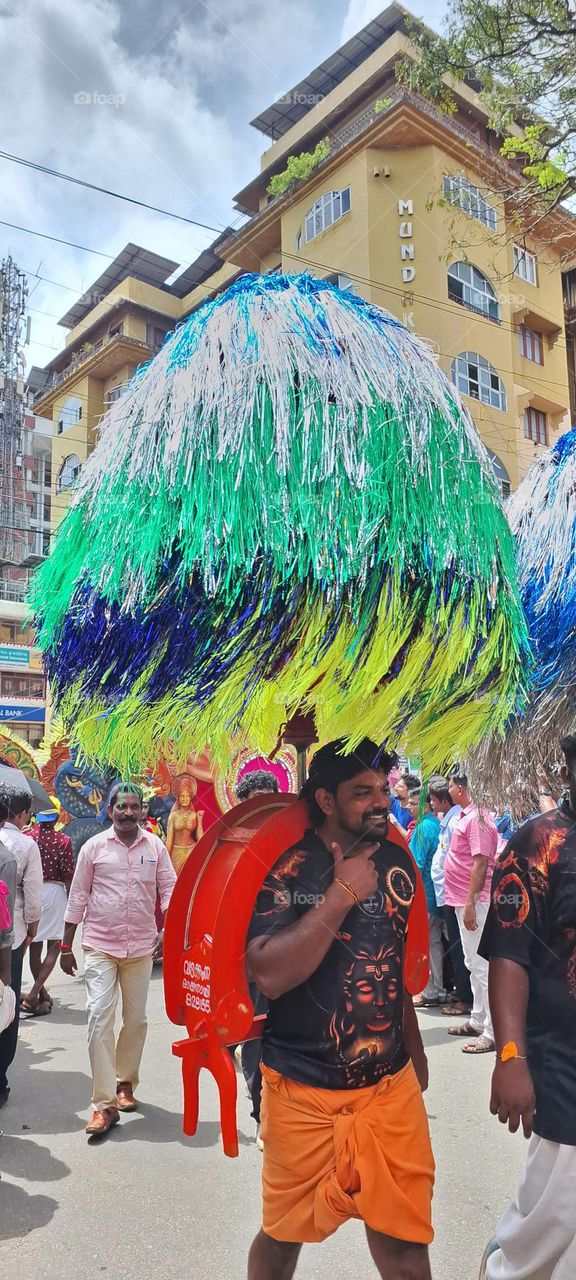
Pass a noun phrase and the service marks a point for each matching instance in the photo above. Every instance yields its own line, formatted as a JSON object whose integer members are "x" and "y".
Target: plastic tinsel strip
{"x": 290, "y": 492}
{"x": 542, "y": 515}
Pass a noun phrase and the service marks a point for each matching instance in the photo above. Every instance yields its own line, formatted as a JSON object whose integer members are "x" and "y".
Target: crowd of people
{"x": 337, "y": 1080}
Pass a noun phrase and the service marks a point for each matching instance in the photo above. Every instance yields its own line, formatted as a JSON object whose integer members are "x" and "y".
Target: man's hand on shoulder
{"x": 356, "y": 876}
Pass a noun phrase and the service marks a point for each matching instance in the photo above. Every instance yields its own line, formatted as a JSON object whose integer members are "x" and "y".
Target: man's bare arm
{"x": 413, "y": 1042}
{"x": 512, "y": 1098}
{"x": 6, "y": 965}
{"x": 281, "y": 961}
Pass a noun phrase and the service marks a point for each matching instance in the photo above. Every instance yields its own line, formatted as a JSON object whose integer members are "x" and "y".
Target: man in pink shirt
{"x": 467, "y": 877}
{"x": 113, "y": 894}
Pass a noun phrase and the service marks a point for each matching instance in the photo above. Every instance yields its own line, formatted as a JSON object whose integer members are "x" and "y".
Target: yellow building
{"x": 402, "y": 210}
{"x": 116, "y": 326}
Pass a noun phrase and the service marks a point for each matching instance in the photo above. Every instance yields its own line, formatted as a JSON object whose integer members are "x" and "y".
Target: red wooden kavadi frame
{"x": 205, "y": 981}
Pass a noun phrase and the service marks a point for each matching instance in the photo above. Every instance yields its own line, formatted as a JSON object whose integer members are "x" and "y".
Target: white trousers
{"x": 435, "y": 985}
{"x": 111, "y": 1062}
{"x": 480, "y": 1017}
{"x": 537, "y": 1234}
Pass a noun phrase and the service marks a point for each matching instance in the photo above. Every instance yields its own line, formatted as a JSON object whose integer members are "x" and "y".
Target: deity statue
{"x": 185, "y": 822}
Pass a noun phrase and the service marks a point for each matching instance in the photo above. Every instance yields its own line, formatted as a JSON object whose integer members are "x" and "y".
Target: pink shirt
{"x": 114, "y": 893}
{"x": 473, "y": 835}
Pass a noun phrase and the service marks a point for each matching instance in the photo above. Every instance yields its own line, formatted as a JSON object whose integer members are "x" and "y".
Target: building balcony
{"x": 14, "y": 591}
{"x": 103, "y": 359}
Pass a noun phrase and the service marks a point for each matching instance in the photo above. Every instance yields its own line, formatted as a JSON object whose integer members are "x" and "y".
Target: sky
{"x": 149, "y": 99}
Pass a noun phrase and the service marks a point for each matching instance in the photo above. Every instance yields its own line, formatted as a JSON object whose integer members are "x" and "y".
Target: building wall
{"x": 400, "y": 214}
{"x": 22, "y": 684}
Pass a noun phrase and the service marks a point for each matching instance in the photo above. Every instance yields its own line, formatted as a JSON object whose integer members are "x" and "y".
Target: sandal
{"x": 43, "y": 1008}
{"x": 457, "y": 1010}
{"x": 465, "y": 1029}
{"x": 426, "y": 1002}
{"x": 481, "y": 1045}
{"x": 27, "y": 1006}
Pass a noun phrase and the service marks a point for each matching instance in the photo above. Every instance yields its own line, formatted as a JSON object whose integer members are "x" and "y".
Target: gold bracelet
{"x": 348, "y": 888}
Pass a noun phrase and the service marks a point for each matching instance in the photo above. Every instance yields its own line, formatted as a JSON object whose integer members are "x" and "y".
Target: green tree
{"x": 520, "y": 56}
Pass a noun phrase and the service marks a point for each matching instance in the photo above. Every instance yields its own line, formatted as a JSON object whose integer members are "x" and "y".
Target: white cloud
{"x": 360, "y": 12}
{"x": 152, "y": 116}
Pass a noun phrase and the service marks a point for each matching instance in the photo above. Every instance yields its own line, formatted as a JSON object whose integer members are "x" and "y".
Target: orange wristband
{"x": 510, "y": 1053}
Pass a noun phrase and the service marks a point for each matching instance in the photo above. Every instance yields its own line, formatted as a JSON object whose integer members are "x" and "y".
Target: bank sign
{"x": 26, "y": 715}
{"x": 17, "y": 657}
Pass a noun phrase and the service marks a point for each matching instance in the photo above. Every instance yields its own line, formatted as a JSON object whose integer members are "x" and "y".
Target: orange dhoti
{"x": 334, "y": 1154}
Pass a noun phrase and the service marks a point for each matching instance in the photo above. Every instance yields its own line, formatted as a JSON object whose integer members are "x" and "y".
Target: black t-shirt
{"x": 343, "y": 1028}
{"x": 532, "y": 920}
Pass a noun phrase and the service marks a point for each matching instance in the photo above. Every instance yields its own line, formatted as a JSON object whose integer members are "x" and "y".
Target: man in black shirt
{"x": 343, "y": 1120}
{"x": 530, "y": 941}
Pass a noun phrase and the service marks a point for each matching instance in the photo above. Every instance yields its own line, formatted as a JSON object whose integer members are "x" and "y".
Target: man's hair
{"x": 3, "y": 807}
{"x": 457, "y": 775}
{"x": 414, "y": 792}
{"x": 126, "y": 788}
{"x": 332, "y": 765}
{"x": 438, "y": 787}
{"x": 568, "y": 745}
{"x": 412, "y": 781}
{"x": 257, "y": 780}
{"x": 17, "y": 802}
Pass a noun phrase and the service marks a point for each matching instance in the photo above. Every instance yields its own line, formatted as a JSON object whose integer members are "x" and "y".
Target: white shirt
{"x": 447, "y": 824}
{"x": 29, "y": 880}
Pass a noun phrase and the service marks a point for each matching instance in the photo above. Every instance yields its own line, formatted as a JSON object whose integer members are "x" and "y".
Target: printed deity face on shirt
{"x": 373, "y": 991}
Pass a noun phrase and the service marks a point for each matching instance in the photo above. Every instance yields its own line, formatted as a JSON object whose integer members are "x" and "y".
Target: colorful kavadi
{"x": 542, "y": 516}
{"x": 287, "y": 508}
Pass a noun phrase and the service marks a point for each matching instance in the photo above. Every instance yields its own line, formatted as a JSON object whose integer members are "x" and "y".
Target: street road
{"x": 149, "y": 1203}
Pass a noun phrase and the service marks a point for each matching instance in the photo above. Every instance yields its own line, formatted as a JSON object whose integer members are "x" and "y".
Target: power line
{"x": 93, "y": 186}
{"x": 369, "y": 281}
{"x": 43, "y": 235}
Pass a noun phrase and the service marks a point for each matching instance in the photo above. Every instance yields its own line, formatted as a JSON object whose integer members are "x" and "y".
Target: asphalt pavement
{"x": 147, "y": 1202}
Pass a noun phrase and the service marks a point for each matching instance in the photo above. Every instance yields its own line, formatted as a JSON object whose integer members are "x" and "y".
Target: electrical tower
{"x": 14, "y": 514}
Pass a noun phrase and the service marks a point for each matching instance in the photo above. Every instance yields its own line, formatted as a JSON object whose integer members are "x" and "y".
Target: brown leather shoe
{"x": 126, "y": 1099}
{"x": 102, "y": 1121}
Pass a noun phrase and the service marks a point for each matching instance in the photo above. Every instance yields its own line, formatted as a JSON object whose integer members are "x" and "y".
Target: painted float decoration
{"x": 205, "y": 979}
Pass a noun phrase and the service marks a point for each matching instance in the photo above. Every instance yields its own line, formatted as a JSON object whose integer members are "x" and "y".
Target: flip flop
{"x": 456, "y": 1010}
{"x": 481, "y": 1045}
{"x": 26, "y": 1007}
{"x": 423, "y": 1002}
{"x": 465, "y": 1029}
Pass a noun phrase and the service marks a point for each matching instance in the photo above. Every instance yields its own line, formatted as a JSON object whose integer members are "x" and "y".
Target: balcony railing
{"x": 17, "y": 591}
{"x": 82, "y": 356}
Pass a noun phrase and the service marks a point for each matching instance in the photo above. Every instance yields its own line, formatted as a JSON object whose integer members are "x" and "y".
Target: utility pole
{"x": 14, "y": 515}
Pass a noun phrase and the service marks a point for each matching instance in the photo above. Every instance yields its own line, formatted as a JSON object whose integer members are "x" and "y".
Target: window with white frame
{"x": 328, "y": 209}
{"x": 530, "y": 344}
{"x": 525, "y": 265}
{"x": 535, "y": 426}
{"x": 468, "y": 286}
{"x": 475, "y": 377}
{"x": 69, "y": 472}
{"x": 70, "y": 414}
{"x": 462, "y": 193}
{"x": 501, "y": 475}
{"x": 113, "y": 394}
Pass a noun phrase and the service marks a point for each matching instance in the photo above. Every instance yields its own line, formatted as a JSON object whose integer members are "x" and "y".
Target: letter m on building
{"x": 405, "y": 206}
